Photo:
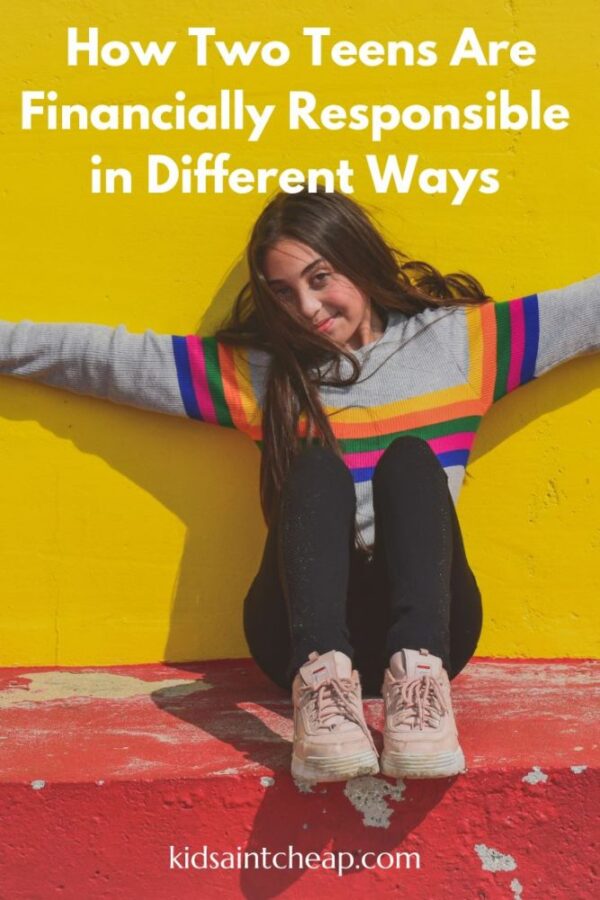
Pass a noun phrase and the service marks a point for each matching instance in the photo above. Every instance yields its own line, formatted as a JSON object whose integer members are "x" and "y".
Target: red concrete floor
{"x": 107, "y": 775}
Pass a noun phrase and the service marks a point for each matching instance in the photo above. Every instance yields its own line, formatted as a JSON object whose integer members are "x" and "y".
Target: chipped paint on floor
{"x": 45, "y": 687}
{"x": 493, "y": 860}
{"x": 535, "y": 776}
{"x": 367, "y": 795}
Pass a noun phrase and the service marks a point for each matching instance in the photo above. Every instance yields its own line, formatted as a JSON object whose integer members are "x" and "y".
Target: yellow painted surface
{"x": 129, "y": 536}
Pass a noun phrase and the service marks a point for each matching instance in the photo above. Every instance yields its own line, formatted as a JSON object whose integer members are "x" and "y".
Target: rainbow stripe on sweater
{"x": 503, "y": 340}
{"x": 517, "y": 343}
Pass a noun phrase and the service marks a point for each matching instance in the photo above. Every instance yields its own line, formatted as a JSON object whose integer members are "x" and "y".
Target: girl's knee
{"x": 316, "y": 460}
{"x": 404, "y": 453}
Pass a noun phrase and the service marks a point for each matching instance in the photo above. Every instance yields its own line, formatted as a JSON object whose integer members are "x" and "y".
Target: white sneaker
{"x": 332, "y": 741}
{"x": 420, "y": 739}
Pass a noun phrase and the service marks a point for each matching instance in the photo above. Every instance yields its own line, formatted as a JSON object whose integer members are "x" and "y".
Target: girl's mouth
{"x": 325, "y": 326}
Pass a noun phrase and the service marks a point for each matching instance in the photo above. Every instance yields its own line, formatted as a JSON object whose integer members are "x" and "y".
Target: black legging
{"x": 315, "y": 591}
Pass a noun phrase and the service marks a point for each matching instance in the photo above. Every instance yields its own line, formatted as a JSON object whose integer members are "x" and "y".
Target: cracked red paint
{"x": 124, "y": 777}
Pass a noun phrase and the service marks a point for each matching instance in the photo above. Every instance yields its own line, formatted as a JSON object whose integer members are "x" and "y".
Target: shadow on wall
{"x": 208, "y": 477}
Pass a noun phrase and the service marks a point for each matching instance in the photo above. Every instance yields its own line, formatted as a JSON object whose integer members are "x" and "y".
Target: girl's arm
{"x": 182, "y": 376}
{"x": 528, "y": 336}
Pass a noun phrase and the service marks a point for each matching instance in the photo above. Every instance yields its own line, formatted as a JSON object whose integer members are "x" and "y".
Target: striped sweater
{"x": 434, "y": 374}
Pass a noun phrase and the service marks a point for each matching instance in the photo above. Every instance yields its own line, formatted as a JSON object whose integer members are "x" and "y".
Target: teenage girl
{"x": 362, "y": 376}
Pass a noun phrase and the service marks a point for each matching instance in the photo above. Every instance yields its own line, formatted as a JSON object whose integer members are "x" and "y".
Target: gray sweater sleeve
{"x": 569, "y": 323}
{"x": 136, "y": 369}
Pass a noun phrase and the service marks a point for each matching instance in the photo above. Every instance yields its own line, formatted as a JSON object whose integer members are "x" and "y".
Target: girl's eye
{"x": 319, "y": 278}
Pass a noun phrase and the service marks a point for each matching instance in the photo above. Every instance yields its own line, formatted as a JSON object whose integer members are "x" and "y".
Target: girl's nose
{"x": 310, "y": 304}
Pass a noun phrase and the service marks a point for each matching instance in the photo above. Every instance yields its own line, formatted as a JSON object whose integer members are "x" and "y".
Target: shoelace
{"x": 418, "y": 702}
{"x": 331, "y": 699}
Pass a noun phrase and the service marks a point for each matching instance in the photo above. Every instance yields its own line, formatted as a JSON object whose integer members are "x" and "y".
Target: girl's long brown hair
{"x": 345, "y": 234}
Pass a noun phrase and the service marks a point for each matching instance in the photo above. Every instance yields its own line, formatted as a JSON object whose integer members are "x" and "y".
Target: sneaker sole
{"x": 335, "y": 768}
{"x": 423, "y": 765}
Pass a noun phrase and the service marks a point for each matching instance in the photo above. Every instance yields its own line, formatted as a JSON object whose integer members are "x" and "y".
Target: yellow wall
{"x": 129, "y": 536}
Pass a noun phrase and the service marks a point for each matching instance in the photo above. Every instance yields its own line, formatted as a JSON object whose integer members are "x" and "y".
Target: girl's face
{"x": 330, "y": 301}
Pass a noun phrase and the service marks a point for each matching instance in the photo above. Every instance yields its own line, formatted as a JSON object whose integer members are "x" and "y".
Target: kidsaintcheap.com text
{"x": 339, "y": 861}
